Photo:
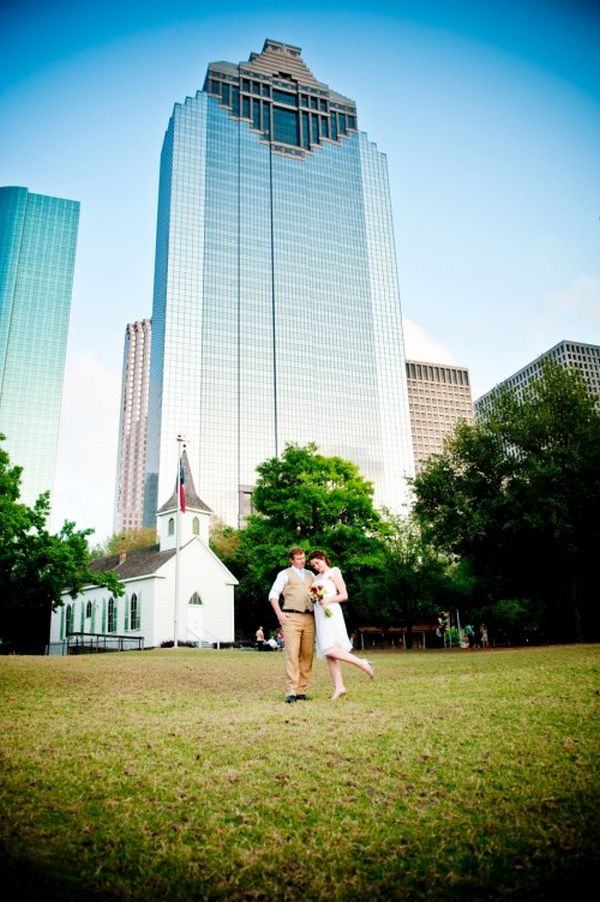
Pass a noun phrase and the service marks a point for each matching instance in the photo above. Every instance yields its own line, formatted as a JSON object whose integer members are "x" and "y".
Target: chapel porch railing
{"x": 95, "y": 643}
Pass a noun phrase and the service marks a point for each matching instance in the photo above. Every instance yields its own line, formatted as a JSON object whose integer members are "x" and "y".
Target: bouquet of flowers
{"x": 317, "y": 593}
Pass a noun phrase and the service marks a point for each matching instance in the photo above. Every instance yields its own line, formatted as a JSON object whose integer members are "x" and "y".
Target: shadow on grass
{"x": 26, "y": 878}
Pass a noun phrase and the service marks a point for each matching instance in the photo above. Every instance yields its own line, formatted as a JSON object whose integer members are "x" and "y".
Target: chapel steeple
{"x": 194, "y": 521}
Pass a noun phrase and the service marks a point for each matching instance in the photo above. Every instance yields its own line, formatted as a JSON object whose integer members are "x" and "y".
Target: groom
{"x": 297, "y": 621}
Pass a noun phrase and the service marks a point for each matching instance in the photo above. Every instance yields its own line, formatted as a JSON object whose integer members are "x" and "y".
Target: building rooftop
{"x": 140, "y": 562}
{"x": 282, "y": 61}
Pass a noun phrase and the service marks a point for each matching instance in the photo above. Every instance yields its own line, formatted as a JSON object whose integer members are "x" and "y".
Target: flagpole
{"x": 180, "y": 439}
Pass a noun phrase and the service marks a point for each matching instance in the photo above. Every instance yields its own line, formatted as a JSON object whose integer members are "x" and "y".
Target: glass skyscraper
{"x": 38, "y": 237}
{"x": 276, "y": 313}
{"x": 131, "y": 454}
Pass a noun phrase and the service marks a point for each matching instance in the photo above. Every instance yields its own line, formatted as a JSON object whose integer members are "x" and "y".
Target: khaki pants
{"x": 299, "y": 637}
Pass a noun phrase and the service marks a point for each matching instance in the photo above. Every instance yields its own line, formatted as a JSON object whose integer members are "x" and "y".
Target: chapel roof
{"x": 139, "y": 562}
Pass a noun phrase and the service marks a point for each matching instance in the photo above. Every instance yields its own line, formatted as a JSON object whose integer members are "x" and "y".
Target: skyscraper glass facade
{"x": 131, "y": 454}
{"x": 38, "y": 237}
{"x": 276, "y": 313}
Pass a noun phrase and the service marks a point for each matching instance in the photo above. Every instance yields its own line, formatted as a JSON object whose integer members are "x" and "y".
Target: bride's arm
{"x": 340, "y": 585}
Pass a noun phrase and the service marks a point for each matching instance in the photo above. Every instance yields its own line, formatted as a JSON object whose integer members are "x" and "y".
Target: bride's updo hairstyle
{"x": 319, "y": 555}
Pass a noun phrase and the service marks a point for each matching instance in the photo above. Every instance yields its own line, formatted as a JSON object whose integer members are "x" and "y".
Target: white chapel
{"x": 202, "y": 608}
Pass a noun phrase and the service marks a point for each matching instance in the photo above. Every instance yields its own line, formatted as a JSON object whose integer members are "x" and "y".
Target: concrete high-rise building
{"x": 439, "y": 396}
{"x": 276, "y": 314}
{"x": 570, "y": 354}
{"x": 38, "y": 238}
{"x": 131, "y": 456}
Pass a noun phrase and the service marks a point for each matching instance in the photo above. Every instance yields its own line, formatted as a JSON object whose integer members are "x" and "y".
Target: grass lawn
{"x": 180, "y": 774}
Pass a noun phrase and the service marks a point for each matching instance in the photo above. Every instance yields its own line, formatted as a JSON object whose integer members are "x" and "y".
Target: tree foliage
{"x": 304, "y": 498}
{"x": 516, "y": 496}
{"x": 417, "y": 580}
{"x": 129, "y": 540}
{"x": 36, "y": 566}
{"x": 224, "y": 541}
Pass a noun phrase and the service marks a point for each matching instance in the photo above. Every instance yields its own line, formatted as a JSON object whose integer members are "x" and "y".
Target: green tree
{"x": 516, "y": 495}
{"x": 417, "y": 579}
{"x": 304, "y": 498}
{"x": 224, "y": 541}
{"x": 37, "y": 566}
{"x": 129, "y": 540}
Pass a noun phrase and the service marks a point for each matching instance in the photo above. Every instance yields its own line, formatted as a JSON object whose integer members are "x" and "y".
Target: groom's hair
{"x": 294, "y": 551}
{"x": 319, "y": 555}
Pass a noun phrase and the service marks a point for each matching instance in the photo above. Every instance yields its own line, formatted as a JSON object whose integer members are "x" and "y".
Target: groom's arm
{"x": 276, "y": 590}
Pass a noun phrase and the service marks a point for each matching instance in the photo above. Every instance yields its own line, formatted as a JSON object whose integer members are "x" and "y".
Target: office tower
{"x": 131, "y": 455}
{"x": 569, "y": 354}
{"x": 439, "y": 397}
{"x": 276, "y": 313}
{"x": 38, "y": 237}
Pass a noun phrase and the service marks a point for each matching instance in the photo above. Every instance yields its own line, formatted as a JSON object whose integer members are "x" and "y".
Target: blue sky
{"x": 489, "y": 114}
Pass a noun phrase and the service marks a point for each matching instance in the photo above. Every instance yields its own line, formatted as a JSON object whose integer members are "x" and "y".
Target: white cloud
{"x": 84, "y": 485}
{"x": 421, "y": 346}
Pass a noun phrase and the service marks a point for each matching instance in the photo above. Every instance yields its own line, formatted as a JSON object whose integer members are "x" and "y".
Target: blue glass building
{"x": 38, "y": 237}
{"x": 276, "y": 313}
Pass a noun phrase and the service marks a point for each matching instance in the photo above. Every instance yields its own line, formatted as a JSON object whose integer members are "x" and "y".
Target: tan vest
{"x": 295, "y": 592}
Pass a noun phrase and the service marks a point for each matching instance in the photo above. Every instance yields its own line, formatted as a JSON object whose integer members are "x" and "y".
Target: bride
{"x": 333, "y": 642}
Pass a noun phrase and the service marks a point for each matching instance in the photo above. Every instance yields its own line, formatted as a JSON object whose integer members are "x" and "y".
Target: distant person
{"x": 260, "y": 638}
{"x": 333, "y": 641}
{"x": 485, "y": 642}
{"x": 297, "y": 623}
{"x": 470, "y": 634}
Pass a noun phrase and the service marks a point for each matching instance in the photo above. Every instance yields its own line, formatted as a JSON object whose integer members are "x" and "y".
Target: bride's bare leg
{"x": 335, "y": 672}
{"x": 351, "y": 659}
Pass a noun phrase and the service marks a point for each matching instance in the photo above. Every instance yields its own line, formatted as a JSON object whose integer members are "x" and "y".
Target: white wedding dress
{"x": 330, "y": 631}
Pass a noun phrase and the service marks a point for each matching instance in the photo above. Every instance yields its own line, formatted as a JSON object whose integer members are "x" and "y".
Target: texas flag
{"x": 181, "y": 488}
